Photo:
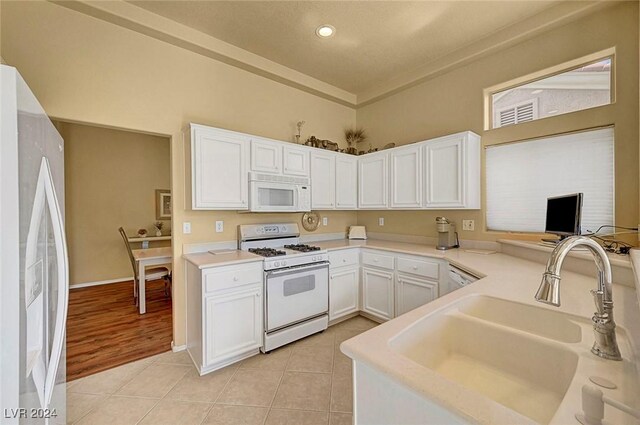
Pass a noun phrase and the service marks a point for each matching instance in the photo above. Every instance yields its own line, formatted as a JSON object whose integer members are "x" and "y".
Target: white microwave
{"x": 272, "y": 193}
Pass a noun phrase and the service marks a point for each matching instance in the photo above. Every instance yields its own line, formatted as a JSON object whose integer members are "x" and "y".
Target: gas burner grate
{"x": 302, "y": 248}
{"x": 267, "y": 252}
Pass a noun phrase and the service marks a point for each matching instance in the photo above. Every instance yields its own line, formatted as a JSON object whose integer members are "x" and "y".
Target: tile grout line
{"x": 165, "y": 394}
{"x": 275, "y": 394}
{"x": 107, "y": 396}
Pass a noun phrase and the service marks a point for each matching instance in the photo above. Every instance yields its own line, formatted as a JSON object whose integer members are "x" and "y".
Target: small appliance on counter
{"x": 447, "y": 235}
{"x": 357, "y": 232}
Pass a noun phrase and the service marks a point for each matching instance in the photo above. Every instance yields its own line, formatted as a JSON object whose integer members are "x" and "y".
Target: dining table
{"x": 146, "y": 258}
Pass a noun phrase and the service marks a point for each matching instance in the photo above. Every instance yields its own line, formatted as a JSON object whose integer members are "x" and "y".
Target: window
{"x": 570, "y": 89}
{"x": 521, "y": 176}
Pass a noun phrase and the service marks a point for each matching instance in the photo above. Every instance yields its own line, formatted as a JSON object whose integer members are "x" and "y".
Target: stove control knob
{"x": 314, "y": 258}
{"x": 284, "y": 263}
{"x": 277, "y": 263}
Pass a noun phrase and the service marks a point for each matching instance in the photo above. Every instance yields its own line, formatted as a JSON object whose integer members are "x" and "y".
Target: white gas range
{"x": 296, "y": 282}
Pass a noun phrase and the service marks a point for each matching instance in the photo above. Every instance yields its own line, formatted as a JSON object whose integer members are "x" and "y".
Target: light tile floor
{"x": 307, "y": 382}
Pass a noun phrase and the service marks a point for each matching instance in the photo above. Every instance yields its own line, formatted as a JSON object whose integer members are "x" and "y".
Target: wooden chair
{"x": 151, "y": 273}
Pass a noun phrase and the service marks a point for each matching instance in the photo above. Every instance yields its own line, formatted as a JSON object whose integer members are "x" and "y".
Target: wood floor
{"x": 104, "y": 329}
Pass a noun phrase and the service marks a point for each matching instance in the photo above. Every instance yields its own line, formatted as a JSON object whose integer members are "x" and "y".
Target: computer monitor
{"x": 563, "y": 215}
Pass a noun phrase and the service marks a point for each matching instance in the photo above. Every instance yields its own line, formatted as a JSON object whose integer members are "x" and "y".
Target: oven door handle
{"x": 297, "y": 269}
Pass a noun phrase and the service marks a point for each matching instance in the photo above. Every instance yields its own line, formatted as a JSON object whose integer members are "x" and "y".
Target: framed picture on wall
{"x": 163, "y": 204}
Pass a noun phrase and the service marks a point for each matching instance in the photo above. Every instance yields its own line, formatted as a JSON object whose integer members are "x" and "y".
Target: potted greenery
{"x": 353, "y": 137}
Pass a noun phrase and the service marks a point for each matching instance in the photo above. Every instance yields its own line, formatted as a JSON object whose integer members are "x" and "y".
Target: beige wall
{"x": 110, "y": 181}
{"x": 453, "y": 102}
{"x": 86, "y": 70}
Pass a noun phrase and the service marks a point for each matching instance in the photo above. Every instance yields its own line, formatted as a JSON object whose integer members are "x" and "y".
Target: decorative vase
{"x": 158, "y": 232}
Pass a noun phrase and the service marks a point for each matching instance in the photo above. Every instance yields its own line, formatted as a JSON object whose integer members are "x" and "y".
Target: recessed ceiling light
{"x": 536, "y": 91}
{"x": 325, "y": 31}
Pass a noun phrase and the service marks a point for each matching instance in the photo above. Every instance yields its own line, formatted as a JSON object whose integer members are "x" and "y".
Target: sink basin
{"x": 538, "y": 321}
{"x": 472, "y": 346}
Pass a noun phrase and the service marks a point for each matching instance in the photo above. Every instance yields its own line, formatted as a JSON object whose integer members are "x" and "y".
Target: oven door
{"x": 296, "y": 294}
{"x": 273, "y": 197}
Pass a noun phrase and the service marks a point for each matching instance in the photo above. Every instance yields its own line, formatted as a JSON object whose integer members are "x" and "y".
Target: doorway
{"x": 114, "y": 178}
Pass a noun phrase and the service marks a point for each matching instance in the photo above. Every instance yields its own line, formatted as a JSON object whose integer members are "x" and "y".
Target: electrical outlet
{"x": 186, "y": 227}
{"x": 325, "y": 221}
{"x": 468, "y": 225}
{"x": 219, "y": 226}
{"x": 381, "y": 221}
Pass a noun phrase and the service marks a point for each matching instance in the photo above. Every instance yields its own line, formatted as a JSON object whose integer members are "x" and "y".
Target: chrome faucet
{"x": 604, "y": 328}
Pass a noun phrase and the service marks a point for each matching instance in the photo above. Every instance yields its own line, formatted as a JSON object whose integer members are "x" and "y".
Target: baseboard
{"x": 100, "y": 282}
{"x": 176, "y": 348}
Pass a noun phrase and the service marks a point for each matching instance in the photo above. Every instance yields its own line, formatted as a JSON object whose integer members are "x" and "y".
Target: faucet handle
{"x": 598, "y": 298}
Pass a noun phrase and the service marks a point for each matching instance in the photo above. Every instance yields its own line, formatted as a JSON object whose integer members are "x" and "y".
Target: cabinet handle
{"x": 235, "y": 278}
{"x": 415, "y": 267}
{"x": 375, "y": 260}
{"x": 344, "y": 260}
{"x": 257, "y": 295}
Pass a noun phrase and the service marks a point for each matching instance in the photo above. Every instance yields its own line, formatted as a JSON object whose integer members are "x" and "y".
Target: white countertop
{"x": 506, "y": 277}
{"x": 226, "y": 257}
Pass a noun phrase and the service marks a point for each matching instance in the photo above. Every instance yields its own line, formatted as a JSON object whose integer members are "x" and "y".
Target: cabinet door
{"x": 219, "y": 170}
{"x": 377, "y": 293}
{"x": 412, "y": 292}
{"x": 323, "y": 180}
{"x": 233, "y": 324}
{"x": 406, "y": 177}
{"x": 343, "y": 291}
{"x": 346, "y": 182}
{"x": 373, "y": 181}
{"x": 295, "y": 161}
{"x": 445, "y": 173}
{"x": 266, "y": 156}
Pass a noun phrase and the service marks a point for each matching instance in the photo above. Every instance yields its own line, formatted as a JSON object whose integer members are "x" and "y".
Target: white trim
{"x": 100, "y": 282}
{"x": 177, "y": 348}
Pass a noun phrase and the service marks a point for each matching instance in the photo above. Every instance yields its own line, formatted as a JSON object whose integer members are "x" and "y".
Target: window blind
{"x": 521, "y": 176}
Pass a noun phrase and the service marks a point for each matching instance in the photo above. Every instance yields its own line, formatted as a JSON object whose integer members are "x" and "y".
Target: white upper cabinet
{"x": 323, "y": 180}
{"x": 266, "y": 156}
{"x": 406, "y": 177}
{"x": 219, "y": 176}
{"x": 373, "y": 181}
{"x": 346, "y": 182}
{"x": 295, "y": 160}
{"x": 452, "y": 165}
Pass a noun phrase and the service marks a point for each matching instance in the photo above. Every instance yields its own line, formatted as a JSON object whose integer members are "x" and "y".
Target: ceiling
{"x": 374, "y": 40}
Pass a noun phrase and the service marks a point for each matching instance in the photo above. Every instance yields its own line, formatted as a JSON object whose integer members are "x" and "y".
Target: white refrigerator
{"x": 34, "y": 285}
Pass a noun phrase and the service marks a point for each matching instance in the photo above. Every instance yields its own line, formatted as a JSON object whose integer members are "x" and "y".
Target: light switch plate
{"x": 468, "y": 225}
{"x": 325, "y": 221}
{"x": 219, "y": 226}
{"x": 186, "y": 227}
{"x": 381, "y": 221}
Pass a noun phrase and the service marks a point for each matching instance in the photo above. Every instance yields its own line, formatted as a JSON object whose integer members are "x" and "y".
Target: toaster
{"x": 357, "y": 232}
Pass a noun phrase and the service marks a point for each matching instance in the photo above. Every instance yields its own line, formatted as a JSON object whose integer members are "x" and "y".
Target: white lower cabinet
{"x": 233, "y": 323}
{"x": 413, "y": 292}
{"x": 344, "y": 283}
{"x": 377, "y": 293}
{"x": 224, "y": 314}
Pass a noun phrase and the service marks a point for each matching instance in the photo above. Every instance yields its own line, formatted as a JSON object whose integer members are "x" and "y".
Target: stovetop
{"x": 267, "y": 252}
{"x": 302, "y": 247}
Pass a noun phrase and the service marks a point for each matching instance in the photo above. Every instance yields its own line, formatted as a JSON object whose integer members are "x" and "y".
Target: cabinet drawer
{"x": 377, "y": 260}
{"x": 419, "y": 267}
{"x": 343, "y": 257}
{"x": 216, "y": 279}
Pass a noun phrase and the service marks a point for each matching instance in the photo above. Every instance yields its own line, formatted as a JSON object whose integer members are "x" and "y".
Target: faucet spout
{"x": 605, "y": 345}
